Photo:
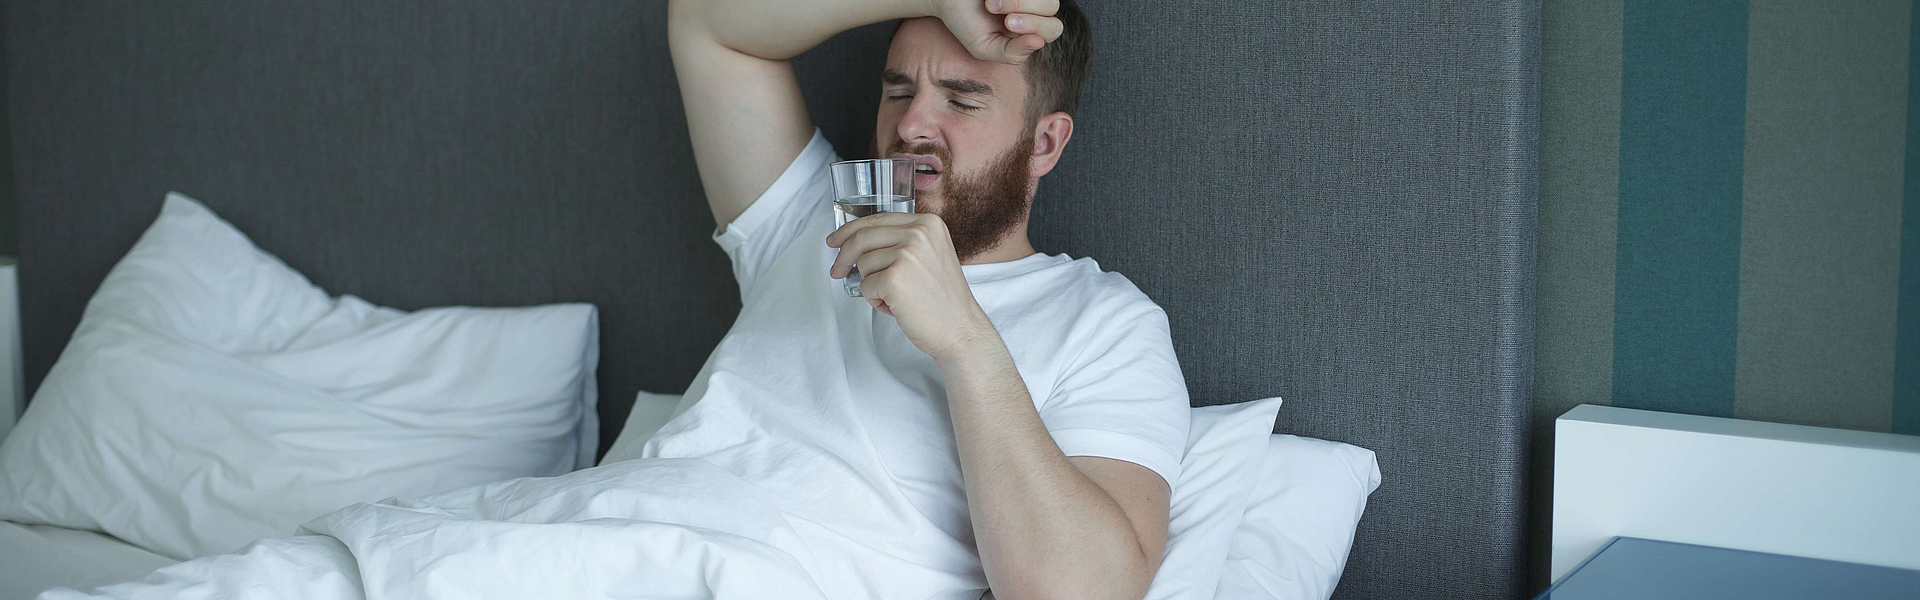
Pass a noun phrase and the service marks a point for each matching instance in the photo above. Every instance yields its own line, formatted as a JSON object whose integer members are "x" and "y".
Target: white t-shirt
{"x": 823, "y": 402}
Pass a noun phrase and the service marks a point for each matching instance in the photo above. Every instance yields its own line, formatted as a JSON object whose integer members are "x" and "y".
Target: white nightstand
{"x": 1813, "y": 492}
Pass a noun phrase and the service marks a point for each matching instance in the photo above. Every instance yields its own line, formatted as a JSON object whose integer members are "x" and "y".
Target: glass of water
{"x": 865, "y": 187}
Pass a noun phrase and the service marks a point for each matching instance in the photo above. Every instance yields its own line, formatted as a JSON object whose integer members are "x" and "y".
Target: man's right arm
{"x": 744, "y": 109}
{"x": 743, "y": 103}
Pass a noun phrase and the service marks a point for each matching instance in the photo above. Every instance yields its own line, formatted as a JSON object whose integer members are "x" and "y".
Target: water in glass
{"x": 848, "y": 209}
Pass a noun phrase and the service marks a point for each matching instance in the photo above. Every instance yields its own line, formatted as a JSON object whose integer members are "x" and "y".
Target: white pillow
{"x": 1225, "y": 446}
{"x": 212, "y": 396}
{"x": 1299, "y": 523}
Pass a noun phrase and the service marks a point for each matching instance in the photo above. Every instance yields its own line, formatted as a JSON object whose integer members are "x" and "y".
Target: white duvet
{"x": 648, "y": 528}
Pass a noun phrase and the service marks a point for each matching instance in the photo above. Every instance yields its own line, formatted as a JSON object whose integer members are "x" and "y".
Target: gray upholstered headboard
{"x": 1355, "y": 185}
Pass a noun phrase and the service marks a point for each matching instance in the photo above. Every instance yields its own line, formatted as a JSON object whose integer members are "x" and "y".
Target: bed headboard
{"x": 1355, "y": 184}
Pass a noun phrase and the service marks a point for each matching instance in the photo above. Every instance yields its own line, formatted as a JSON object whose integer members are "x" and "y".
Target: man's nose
{"x": 918, "y": 125}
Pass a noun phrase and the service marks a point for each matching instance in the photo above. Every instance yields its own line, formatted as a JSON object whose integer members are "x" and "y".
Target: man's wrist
{"x": 979, "y": 369}
{"x": 977, "y": 344}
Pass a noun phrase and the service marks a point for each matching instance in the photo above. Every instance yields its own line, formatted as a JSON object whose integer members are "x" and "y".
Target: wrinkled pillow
{"x": 212, "y": 396}
{"x": 1293, "y": 542}
{"x": 1225, "y": 446}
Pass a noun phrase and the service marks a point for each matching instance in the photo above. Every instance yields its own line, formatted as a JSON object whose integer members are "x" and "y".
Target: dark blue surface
{"x": 1638, "y": 569}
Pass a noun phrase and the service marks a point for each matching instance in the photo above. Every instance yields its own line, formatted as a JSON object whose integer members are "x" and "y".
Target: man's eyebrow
{"x": 968, "y": 86}
{"x": 965, "y": 86}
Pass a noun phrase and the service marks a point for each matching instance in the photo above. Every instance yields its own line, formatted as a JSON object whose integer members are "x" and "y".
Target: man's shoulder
{"x": 1094, "y": 292}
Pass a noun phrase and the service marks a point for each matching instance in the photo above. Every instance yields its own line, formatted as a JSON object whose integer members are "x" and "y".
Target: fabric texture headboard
{"x": 1334, "y": 201}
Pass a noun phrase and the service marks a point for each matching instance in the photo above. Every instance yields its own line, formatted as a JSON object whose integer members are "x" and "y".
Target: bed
{"x": 1355, "y": 183}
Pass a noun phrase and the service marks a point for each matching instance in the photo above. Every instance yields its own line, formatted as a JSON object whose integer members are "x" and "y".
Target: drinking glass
{"x": 865, "y": 187}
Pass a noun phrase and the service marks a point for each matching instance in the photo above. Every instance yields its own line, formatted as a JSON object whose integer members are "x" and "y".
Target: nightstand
{"x": 1813, "y": 492}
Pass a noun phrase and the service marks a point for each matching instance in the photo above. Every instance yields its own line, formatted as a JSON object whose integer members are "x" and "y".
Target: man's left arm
{"x": 1047, "y": 526}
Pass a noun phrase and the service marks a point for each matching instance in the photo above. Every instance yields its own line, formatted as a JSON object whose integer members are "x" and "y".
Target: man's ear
{"x": 1050, "y": 136}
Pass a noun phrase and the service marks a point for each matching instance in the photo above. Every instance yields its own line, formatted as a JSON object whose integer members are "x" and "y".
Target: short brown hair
{"x": 1059, "y": 70}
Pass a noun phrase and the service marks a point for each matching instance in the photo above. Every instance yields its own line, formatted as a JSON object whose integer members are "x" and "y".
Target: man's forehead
{"x": 924, "y": 49}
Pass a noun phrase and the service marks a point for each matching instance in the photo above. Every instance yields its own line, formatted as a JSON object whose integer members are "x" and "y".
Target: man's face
{"x": 965, "y": 120}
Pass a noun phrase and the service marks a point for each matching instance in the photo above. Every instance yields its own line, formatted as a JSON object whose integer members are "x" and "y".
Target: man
{"x": 990, "y": 415}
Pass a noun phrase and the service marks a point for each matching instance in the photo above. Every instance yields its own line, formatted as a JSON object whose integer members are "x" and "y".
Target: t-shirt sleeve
{"x": 1125, "y": 399}
{"x": 755, "y": 237}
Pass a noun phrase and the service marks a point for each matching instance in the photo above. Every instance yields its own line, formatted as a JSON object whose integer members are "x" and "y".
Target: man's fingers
{"x": 1045, "y": 8}
{"x": 876, "y": 289}
{"x": 1048, "y": 28}
{"x": 877, "y": 261}
{"x": 1027, "y": 45}
{"x": 839, "y": 236}
{"x": 865, "y": 241}
{"x": 1013, "y": 51}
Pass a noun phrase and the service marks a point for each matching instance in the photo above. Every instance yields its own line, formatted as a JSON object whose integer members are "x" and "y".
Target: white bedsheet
{"x": 648, "y": 528}
{"x": 34, "y": 558}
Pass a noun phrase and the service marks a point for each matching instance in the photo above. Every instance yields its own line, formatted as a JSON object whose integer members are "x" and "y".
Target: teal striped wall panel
{"x": 1729, "y": 215}
{"x": 1682, "y": 125}
{"x": 1746, "y": 177}
{"x": 1820, "y": 223}
{"x": 1906, "y": 378}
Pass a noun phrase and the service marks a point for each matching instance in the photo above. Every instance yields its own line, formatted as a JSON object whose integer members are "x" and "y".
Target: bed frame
{"x": 1334, "y": 201}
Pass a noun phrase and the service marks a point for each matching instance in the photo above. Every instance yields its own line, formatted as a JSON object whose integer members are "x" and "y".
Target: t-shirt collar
{"x": 985, "y": 272}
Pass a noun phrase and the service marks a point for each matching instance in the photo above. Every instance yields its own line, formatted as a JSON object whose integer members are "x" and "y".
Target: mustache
{"x": 929, "y": 148}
